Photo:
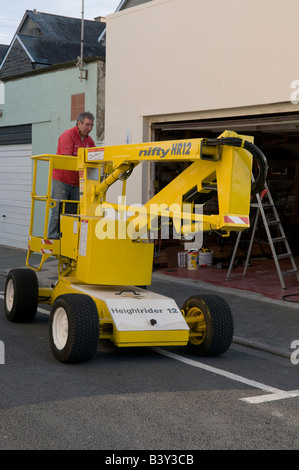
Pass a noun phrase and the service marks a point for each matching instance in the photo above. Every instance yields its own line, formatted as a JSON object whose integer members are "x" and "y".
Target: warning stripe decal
{"x": 236, "y": 220}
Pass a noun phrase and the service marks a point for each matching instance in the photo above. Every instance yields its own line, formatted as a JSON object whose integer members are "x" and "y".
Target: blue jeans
{"x": 60, "y": 191}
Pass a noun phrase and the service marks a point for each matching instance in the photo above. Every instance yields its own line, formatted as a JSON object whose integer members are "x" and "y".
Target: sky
{"x": 12, "y": 12}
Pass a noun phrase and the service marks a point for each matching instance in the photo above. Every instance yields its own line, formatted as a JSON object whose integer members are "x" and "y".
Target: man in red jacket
{"x": 65, "y": 183}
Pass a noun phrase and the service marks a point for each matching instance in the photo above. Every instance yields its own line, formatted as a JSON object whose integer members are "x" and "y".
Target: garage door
{"x": 277, "y": 135}
{"x": 15, "y": 199}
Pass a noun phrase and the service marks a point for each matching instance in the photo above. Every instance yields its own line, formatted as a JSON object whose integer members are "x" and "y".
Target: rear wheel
{"x": 211, "y": 325}
{"x": 74, "y": 328}
{"x": 21, "y": 295}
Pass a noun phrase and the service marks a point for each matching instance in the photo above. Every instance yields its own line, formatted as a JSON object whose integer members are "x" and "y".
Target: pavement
{"x": 261, "y": 323}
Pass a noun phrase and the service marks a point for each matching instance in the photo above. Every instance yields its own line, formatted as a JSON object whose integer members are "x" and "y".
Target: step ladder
{"x": 265, "y": 201}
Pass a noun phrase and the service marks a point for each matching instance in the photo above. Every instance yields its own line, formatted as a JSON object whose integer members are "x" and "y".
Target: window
{"x": 77, "y": 105}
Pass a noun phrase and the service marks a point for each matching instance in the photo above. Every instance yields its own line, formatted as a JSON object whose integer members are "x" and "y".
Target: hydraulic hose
{"x": 259, "y": 181}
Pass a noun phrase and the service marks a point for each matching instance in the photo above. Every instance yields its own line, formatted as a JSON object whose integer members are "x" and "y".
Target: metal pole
{"x": 82, "y": 41}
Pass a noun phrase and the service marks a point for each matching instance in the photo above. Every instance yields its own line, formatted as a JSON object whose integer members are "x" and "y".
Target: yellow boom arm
{"x": 218, "y": 169}
{"x": 221, "y": 167}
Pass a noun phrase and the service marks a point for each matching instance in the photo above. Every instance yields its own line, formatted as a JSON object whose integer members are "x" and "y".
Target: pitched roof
{"x": 49, "y": 52}
{"x": 124, "y": 4}
{"x": 3, "y": 50}
{"x": 47, "y": 39}
{"x": 60, "y": 28}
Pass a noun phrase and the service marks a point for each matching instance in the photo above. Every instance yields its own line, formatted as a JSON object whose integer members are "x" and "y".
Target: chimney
{"x": 100, "y": 19}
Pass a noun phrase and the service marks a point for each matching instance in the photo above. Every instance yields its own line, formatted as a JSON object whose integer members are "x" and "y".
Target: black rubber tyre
{"x": 212, "y": 334}
{"x": 74, "y": 328}
{"x": 21, "y": 295}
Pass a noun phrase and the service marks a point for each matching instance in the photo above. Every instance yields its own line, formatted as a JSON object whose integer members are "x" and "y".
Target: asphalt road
{"x": 160, "y": 400}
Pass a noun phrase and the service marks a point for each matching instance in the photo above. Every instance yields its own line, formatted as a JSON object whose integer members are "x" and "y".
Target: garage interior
{"x": 277, "y": 135}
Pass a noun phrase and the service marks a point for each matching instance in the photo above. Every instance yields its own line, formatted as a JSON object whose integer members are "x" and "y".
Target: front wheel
{"x": 211, "y": 325}
{"x": 74, "y": 328}
{"x": 21, "y": 295}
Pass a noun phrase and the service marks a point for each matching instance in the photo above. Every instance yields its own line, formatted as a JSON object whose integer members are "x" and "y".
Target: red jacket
{"x": 68, "y": 144}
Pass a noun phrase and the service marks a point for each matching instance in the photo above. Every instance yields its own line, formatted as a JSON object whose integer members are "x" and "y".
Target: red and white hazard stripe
{"x": 48, "y": 249}
{"x": 232, "y": 219}
{"x": 45, "y": 245}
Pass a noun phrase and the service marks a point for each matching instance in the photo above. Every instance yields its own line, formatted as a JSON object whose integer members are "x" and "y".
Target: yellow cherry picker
{"x": 105, "y": 251}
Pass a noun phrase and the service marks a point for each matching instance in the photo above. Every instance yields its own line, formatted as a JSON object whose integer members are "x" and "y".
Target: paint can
{"x": 205, "y": 258}
{"x": 192, "y": 258}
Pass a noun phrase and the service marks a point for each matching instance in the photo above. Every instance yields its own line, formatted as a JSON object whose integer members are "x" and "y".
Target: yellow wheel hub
{"x": 197, "y": 324}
